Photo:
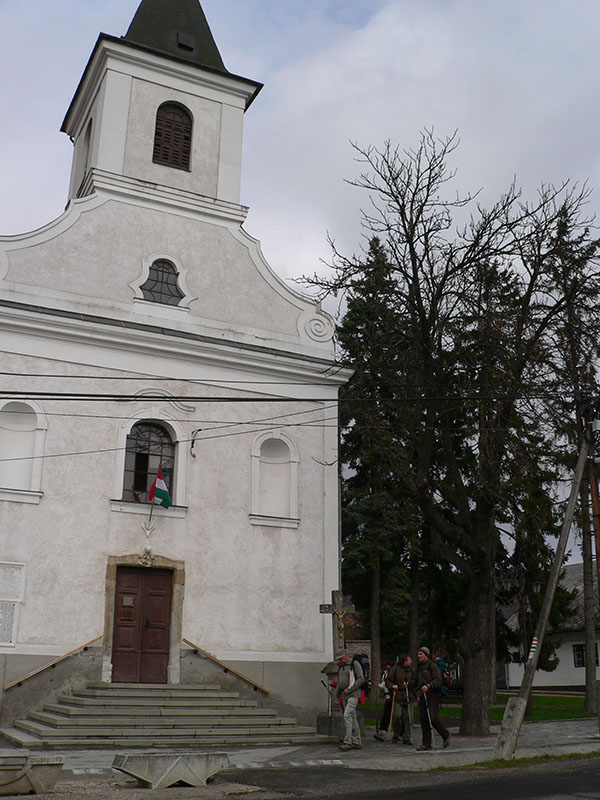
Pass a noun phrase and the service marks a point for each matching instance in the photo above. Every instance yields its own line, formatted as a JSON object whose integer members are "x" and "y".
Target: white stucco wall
{"x": 250, "y": 590}
{"x": 566, "y": 674}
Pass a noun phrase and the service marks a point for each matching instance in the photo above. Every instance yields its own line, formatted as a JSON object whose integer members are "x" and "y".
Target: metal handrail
{"x": 50, "y": 664}
{"x": 225, "y": 667}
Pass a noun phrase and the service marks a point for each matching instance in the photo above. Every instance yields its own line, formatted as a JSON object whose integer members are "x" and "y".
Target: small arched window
{"x": 149, "y": 447}
{"x": 274, "y": 481}
{"x": 22, "y": 431}
{"x": 161, "y": 285}
{"x": 173, "y": 136}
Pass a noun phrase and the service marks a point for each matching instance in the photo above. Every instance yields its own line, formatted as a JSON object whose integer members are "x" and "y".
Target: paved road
{"x": 563, "y": 780}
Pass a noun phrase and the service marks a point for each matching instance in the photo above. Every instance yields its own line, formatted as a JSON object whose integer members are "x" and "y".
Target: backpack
{"x": 363, "y": 660}
{"x": 444, "y": 674}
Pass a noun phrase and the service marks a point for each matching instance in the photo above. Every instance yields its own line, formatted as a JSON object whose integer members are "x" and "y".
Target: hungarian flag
{"x": 158, "y": 491}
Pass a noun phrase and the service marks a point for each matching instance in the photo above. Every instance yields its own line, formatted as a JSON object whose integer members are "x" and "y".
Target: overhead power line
{"x": 115, "y": 397}
{"x": 196, "y": 439}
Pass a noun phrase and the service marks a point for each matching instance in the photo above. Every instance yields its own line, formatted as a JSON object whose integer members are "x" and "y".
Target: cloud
{"x": 517, "y": 79}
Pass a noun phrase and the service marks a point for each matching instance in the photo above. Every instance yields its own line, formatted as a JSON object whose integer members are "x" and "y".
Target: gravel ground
{"x": 101, "y": 787}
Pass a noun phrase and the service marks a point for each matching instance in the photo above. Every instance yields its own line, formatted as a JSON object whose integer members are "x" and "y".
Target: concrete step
{"x": 32, "y": 743}
{"x": 118, "y": 715}
{"x": 157, "y": 711}
{"x": 171, "y": 688}
{"x": 135, "y": 702}
{"x": 56, "y": 734}
{"x": 157, "y": 694}
{"x": 60, "y": 721}
{"x": 21, "y": 738}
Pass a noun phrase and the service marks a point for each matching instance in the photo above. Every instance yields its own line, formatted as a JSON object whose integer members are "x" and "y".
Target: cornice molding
{"x": 159, "y": 343}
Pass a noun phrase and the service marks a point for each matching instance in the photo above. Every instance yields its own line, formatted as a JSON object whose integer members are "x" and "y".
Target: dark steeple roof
{"x": 176, "y": 28}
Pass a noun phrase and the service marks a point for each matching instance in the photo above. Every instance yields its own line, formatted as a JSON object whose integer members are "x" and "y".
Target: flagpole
{"x": 152, "y": 502}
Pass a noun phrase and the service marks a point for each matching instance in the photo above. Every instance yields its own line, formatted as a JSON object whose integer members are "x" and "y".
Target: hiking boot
{"x": 356, "y": 746}
{"x": 345, "y": 747}
{"x": 424, "y": 747}
{"x": 379, "y": 737}
{"x": 446, "y": 741}
{"x": 406, "y": 741}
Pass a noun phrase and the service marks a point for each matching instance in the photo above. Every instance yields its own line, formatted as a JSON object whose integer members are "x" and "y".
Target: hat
{"x": 424, "y": 650}
{"x": 340, "y": 654}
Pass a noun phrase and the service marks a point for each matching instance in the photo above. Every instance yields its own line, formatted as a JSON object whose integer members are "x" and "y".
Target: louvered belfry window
{"x": 173, "y": 136}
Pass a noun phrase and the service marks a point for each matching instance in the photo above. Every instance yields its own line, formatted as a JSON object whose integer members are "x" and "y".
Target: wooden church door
{"x": 142, "y": 624}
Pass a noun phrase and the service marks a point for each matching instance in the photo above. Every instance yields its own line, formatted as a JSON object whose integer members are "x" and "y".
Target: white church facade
{"x": 141, "y": 331}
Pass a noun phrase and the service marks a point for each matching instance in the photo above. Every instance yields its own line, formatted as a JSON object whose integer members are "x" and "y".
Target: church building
{"x": 150, "y": 352}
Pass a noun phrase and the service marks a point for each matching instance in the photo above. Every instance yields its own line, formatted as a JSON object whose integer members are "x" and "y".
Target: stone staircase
{"x": 154, "y": 715}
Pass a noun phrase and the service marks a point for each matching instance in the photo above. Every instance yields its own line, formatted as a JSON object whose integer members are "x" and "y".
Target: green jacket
{"x": 343, "y": 679}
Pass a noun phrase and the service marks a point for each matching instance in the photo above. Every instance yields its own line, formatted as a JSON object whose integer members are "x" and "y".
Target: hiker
{"x": 429, "y": 689}
{"x": 384, "y": 724}
{"x": 400, "y": 683}
{"x": 349, "y": 683}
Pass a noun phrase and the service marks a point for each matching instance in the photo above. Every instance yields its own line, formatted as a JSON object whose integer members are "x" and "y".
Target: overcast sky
{"x": 517, "y": 78}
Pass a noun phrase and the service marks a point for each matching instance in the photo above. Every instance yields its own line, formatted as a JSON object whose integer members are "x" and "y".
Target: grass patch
{"x": 519, "y": 762}
{"x": 546, "y": 707}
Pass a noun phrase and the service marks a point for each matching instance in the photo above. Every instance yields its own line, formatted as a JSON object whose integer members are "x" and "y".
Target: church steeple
{"x": 177, "y": 28}
{"x": 157, "y": 111}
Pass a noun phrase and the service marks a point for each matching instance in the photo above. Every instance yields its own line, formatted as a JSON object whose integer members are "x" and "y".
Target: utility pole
{"x": 515, "y": 708}
{"x": 595, "y": 454}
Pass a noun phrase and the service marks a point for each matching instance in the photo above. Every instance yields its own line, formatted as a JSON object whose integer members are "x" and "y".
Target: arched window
{"x": 22, "y": 432}
{"x": 149, "y": 446}
{"x": 161, "y": 285}
{"x": 274, "y": 481}
{"x": 173, "y": 136}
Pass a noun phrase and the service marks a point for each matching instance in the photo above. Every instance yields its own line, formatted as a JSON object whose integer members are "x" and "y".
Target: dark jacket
{"x": 429, "y": 672}
{"x": 397, "y": 675}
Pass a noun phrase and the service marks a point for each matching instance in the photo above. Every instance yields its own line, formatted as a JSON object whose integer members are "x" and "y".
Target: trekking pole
{"x": 429, "y": 718}
{"x": 389, "y": 730}
{"x": 409, "y": 710}
{"x": 329, "y": 708}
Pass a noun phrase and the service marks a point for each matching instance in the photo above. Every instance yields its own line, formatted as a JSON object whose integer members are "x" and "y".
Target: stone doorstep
{"x": 56, "y": 721}
{"x": 158, "y": 687}
{"x": 159, "y": 771}
{"x": 158, "y": 711}
{"x": 188, "y": 694}
{"x": 135, "y": 702}
{"x": 90, "y": 743}
{"x": 47, "y": 734}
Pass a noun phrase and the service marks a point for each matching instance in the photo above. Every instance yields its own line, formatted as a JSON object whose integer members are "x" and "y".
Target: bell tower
{"x": 157, "y": 112}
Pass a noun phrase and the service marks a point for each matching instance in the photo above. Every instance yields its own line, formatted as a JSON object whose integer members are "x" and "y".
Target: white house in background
{"x": 143, "y": 328}
{"x": 570, "y": 671}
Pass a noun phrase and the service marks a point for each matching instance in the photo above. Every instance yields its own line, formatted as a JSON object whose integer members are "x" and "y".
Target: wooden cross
{"x": 340, "y": 606}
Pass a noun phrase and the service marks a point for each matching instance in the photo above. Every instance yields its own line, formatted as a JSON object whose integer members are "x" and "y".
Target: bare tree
{"x": 482, "y": 306}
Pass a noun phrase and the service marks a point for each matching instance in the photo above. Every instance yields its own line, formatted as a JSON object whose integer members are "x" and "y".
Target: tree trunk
{"x": 478, "y": 648}
{"x": 413, "y": 629}
{"x": 589, "y": 603}
{"x": 375, "y": 629}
